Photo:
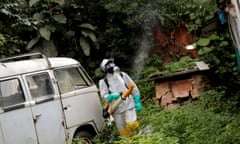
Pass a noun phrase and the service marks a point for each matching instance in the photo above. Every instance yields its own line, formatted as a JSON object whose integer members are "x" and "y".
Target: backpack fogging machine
{"x": 110, "y": 108}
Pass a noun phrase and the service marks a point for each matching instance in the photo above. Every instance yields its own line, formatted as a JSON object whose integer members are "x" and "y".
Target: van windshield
{"x": 69, "y": 79}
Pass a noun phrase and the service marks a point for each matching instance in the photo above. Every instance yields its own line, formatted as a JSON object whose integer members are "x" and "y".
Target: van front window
{"x": 69, "y": 79}
{"x": 10, "y": 93}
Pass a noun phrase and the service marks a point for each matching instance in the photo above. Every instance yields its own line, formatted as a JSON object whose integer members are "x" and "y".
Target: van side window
{"x": 10, "y": 93}
{"x": 69, "y": 79}
{"x": 40, "y": 86}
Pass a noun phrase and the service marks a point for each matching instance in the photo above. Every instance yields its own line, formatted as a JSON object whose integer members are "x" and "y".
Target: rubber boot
{"x": 124, "y": 133}
{"x": 132, "y": 127}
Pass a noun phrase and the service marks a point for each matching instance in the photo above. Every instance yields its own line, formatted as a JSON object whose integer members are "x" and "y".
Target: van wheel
{"x": 83, "y": 137}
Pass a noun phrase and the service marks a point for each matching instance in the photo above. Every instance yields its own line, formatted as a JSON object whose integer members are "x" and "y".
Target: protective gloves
{"x": 138, "y": 105}
{"x": 113, "y": 96}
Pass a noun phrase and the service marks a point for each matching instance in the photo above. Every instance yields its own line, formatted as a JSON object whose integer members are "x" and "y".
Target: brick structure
{"x": 176, "y": 88}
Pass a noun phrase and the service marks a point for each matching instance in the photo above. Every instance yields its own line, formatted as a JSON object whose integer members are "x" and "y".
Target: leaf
{"x": 214, "y": 37}
{"x": 161, "y": 19}
{"x": 45, "y": 33}
{"x": 85, "y": 46}
{"x": 91, "y": 35}
{"x": 204, "y": 50}
{"x": 192, "y": 16}
{"x": 37, "y": 16}
{"x": 70, "y": 34}
{"x": 32, "y": 2}
{"x": 49, "y": 47}
{"x": 203, "y": 42}
{"x": 223, "y": 43}
{"x": 52, "y": 28}
{"x": 60, "y": 2}
{"x": 198, "y": 21}
{"x": 97, "y": 46}
{"x": 185, "y": 59}
{"x": 60, "y": 18}
{"x": 88, "y": 26}
{"x": 32, "y": 43}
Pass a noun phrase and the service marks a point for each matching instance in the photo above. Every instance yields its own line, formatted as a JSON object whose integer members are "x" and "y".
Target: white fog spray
{"x": 146, "y": 41}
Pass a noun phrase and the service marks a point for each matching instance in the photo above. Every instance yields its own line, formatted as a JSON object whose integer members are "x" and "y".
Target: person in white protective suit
{"x": 111, "y": 86}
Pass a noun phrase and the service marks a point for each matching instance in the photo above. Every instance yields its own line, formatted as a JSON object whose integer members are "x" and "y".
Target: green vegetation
{"x": 183, "y": 64}
{"x": 92, "y": 30}
{"x": 218, "y": 51}
{"x": 193, "y": 124}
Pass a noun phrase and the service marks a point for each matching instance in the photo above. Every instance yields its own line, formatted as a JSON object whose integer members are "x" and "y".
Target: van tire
{"x": 84, "y": 137}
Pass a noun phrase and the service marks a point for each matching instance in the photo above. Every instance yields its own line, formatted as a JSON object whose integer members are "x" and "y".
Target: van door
{"x": 47, "y": 110}
{"x": 16, "y": 123}
{"x": 79, "y": 97}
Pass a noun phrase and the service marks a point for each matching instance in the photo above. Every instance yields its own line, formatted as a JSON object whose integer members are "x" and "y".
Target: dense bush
{"x": 118, "y": 29}
{"x": 147, "y": 90}
{"x": 192, "y": 124}
{"x": 189, "y": 124}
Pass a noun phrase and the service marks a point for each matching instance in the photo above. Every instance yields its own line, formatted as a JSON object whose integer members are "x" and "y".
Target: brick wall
{"x": 172, "y": 93}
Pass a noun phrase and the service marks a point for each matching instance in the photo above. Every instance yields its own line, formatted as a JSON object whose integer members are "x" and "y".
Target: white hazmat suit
{"x": 114, "y": 83}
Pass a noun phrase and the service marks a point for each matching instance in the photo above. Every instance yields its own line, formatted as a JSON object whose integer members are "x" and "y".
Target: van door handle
{"x": 66, "y": 107}
{"x": 36, "y": 117}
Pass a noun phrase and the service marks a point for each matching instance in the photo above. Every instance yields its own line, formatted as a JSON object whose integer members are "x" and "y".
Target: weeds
{"x": 186, "y": 124}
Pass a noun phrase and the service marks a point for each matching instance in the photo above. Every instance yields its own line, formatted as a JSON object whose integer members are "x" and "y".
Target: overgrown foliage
{"x": 92, "y": 30}
{"x": 186, "y": 124}
{"x": 183, "y": 64}
{"x": 147, "y": 90}
{"x": 219, "y": 53}
{"x": 217, "y": 101}
{"x": 55, "y": 27}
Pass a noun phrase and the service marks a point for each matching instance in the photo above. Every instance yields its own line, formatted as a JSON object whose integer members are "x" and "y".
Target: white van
{"x": 47, "y": 101}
